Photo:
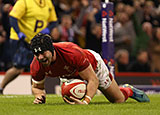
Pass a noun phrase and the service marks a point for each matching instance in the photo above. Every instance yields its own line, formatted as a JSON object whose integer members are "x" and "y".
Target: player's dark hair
{"x": 40, "y": 43}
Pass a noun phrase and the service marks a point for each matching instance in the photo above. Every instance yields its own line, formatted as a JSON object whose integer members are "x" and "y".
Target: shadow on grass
{"x": 92, "y": 103}
{"x": 100, "y": 103}
{"x": 104, "y": 102}
{"x": 60, "y": 103}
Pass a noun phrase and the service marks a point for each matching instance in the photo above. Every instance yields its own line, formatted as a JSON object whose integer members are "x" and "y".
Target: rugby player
{"x": 68, "y": 60}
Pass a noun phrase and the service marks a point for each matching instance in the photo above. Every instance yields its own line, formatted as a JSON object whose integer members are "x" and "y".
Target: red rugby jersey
{"x": 70, "y": 59}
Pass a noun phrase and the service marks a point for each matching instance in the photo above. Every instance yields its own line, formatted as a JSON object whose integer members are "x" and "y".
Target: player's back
{"x": 73, "y": 51}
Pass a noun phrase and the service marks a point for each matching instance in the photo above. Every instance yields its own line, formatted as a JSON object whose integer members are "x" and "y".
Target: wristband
{"x": 88, "y": 97}
{"x": 45, "y": 31}
{"x": 85, "y": 102}
{"x": 21, "y": 36}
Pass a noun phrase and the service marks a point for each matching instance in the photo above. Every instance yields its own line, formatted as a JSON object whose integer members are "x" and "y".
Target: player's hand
{"x": 45, "y": 31}
{"x": 75, "y": 101}
{"x": 21, "y": 36}
{"x": 40, "y": 100}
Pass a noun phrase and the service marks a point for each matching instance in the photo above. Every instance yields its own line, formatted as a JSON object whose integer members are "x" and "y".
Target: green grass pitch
{"x": 23, "y": 105}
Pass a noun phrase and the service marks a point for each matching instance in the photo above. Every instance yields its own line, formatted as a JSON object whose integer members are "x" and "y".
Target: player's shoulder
{"x": 34, "y": 66}
{"x": 68, "y": 46}
{"x": 68, "y": 49}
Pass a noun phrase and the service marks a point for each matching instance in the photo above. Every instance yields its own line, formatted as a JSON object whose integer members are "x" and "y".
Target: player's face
{"x": 45, "y": 58}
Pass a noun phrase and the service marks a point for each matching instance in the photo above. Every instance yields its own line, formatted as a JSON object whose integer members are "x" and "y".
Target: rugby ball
{"x": 73, "y": 87}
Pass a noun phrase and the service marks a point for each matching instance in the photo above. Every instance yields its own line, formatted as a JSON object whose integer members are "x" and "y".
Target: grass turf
{"x": 23, "y": 105}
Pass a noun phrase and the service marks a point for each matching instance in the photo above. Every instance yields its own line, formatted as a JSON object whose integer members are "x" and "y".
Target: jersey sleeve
{"x": 37, "y": 73}
{"x": 18, "y": 9}
{"x": 53, "y": 16}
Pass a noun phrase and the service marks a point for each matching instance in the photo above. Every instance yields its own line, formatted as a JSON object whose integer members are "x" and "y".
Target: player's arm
{"x": 14, "y": 24}
{"x": 39, "y": 92}
{"x": 50, "y": 26}
{"x": 89, "y": 75}
{"x": 17, "y": 13}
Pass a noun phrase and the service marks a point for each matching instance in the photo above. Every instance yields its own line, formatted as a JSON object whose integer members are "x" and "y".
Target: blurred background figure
{"x": 150, "y": 14}
{"x": 147, "y": 28}
{"x": 124, "y": 34}
{"x": 5, "y": 53}
{"x": 65, "y": 29}
{"x": 55, "y": 34}
{"x": 2, "y": 59}
{"x": 94, "y": 28}
{"x": 154, "y": 50}
{"x": 94, "y": 37}
{"x": 122, "y": 60}
{"x": 141, "y": 64}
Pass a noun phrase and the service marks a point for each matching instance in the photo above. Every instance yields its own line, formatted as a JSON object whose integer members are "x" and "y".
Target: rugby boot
{"x": 138, "y": 94}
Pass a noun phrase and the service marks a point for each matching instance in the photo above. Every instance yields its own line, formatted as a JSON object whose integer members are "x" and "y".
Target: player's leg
{"x": 109, "y": 87}
{"x": 137, "y": 94}
{"x": 113, "y": 93}
{"x": 116, "y": 94}
{"x": 107, "y": 84}
{"x": 20, "y": 61}
{"x": 10, "y": 75}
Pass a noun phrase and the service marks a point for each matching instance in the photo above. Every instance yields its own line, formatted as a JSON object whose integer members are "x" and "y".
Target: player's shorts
{"x": 22, "y": 56}
{"x": 102, "y": 72}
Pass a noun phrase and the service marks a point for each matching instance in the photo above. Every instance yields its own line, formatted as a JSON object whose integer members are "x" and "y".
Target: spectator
{"x": 141, "y": 64}
{"x": 138, "y": 10}
{"x": 89, "y": 9}
{"x": 122, "y": 60}
{"x": 150, "y": 14}
{"x": 6, "y": 55}
{"x": 79, "y": 25}
{"x": 66, "y": 30}
{"x": 6, "y": 8}
{"x": 154, "y": 50}
{"x": 55, "y": 35}
{"x": 124, "y": 34}
{"x": 147, "y": 28}
{"x": 93, "y": 33}
{"x": 143, "y": 34}
{"x": 2, "y": 62}
{"x": 119, "y": 7}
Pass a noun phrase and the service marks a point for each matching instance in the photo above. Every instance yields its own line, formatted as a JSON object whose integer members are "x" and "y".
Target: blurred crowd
{"x": 136, "y": 31}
